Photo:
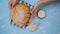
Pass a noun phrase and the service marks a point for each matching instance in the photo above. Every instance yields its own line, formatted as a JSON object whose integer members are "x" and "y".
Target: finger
{"x": 33, "y": 10}
{"x": 34, "y": 14}
{"x": 12, "y": 3}
{"x": 36, "y": 6}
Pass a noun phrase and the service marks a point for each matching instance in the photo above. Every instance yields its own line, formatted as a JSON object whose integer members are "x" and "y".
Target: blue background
{"x": 49, "y": 25}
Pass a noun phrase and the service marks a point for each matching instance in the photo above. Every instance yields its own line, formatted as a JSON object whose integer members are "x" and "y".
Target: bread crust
{"x": 20, "y": 14}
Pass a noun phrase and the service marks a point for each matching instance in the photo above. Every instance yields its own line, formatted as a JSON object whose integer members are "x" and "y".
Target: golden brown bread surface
{"x": 20, "y": 14}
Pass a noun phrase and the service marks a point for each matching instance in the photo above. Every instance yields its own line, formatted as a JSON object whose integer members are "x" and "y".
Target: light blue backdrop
{"x": 49, "y": 25}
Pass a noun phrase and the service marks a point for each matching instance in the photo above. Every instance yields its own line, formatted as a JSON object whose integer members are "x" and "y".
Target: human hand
{"x": 38, "y": 4}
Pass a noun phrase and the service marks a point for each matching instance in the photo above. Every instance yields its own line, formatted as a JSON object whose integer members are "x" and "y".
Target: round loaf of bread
{"x": 20, "y": 14}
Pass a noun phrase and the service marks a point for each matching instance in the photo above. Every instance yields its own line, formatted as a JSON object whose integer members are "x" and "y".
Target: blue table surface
{"x": 49, "y": 25}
